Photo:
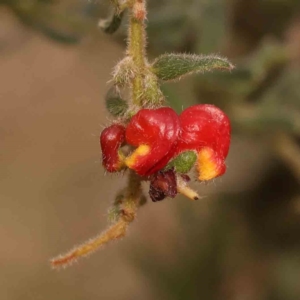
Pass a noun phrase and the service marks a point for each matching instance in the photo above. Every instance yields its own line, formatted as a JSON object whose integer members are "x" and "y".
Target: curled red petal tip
{"x": 111, "y": 139}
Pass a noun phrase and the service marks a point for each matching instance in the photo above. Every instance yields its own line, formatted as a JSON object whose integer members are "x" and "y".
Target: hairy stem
{"x": 136, "y": 48}
{"x": 116, "y": 231}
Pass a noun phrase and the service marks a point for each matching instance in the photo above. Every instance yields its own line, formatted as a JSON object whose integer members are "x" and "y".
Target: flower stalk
{"x": 129, "y": 206}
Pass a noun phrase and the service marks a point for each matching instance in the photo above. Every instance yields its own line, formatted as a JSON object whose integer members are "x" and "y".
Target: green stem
{"x": 132, "y": 196}
{"x": 136, "y": 50}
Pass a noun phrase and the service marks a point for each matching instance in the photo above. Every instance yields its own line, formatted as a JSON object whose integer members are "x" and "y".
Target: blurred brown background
{"x": 241, "y": 241}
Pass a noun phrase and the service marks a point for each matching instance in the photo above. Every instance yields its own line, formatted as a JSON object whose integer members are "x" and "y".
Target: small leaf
{"x": 183, "y": 162}
{"x": 115, "y": 105}
{"x": 173, "y": 66}
{"x": 124, "y": 71}
{"x": 112, "y": 24}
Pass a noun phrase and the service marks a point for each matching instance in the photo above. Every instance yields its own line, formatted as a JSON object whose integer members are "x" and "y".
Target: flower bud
{"x": 183, "y": 162}
{"x": 163, "y": 184}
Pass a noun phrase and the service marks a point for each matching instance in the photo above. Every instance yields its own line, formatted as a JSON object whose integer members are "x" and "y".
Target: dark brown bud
{"x": 162, "y": 185}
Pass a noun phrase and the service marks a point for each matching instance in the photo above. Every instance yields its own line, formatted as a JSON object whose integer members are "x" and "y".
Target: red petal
{"x": 111, "y": 140}
{"x": 204, "y": 125}
{"x": 156, "y": 131}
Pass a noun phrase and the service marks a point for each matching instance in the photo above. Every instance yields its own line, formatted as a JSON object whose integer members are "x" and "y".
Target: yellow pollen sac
{"x": 207, "y": 165}
{"x": 142, "y": 150}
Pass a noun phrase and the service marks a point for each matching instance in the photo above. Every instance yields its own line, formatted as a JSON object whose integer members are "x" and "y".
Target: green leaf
{"x": 112, "y": 24}
{"x": 174, "y": 66}
{"x": 115, "y": 105}
{"x": 183, "y": 162}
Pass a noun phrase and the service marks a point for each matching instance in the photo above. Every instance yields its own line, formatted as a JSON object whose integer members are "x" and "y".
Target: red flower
{"x": 159, "y": 135}
{"x": 111, "y": 139}
{"x": 205, "y": 129}
{"x": 154, "y": 132}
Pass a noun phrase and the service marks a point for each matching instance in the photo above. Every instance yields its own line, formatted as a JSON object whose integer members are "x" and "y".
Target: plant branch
{"x": 116, "y": 231}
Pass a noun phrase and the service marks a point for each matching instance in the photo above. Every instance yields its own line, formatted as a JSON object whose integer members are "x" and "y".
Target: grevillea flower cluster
{"x": 148, "y": 140}
{"x": 165, "y": 146}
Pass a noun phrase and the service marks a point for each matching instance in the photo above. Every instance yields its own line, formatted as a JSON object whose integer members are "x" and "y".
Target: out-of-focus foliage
{"x": 250, "y": 240}
{"x": 248, "y": 247}
{"x": 64, "y": 21}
